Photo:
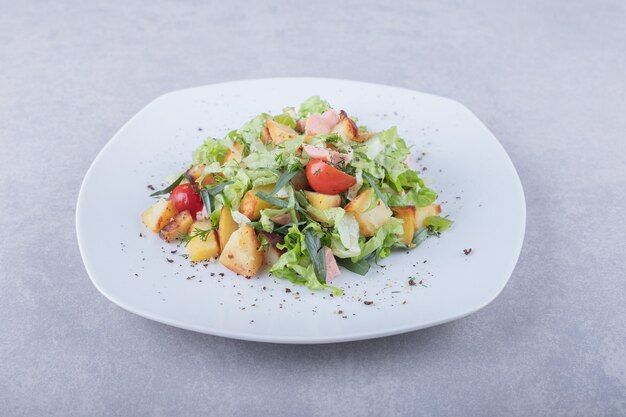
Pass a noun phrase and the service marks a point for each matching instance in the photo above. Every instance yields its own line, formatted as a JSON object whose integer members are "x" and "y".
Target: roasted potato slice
{"x": 241, "y": 254}
{"x": 346, "y": 128}
{"x": 159, "y": 214}
{"x": 422, "y": 212}
{"x": 265, "y": 136}
{"x": 251, "y": 205}
{"x": 323, "y": 201}
{"x": 203, "y": 248}
{"x": 407, "y": 214}
{"x": 194, "y": 173}
{"x": 226, "y": 227}
{"x": 363, "y": 136}
{"x": 279, "y": 132}
{"x": 369, "y": 220}
{"x": 179, "y": 224}
{"x": 235, "y": 154}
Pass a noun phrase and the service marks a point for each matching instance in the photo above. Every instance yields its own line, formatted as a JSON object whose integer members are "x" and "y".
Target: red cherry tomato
{"x": 326, "y": 179}
{"x": 185, "y": 197}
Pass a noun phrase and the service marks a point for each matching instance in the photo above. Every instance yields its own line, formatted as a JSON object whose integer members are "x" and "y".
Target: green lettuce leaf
{"x": 418, "y": 198}
{"x": 212, "y": 150}
{"x": 295, "y": 264}
{"x": 251, "y": 130}
{"x": 286, "y": 120}
{"x": 437, "y": 224}
{"x": 266, "y": 223}
{"x": 313, "y": 105}
{"x": 261, "y": 177}
{"x": 345, "y": 238}
{"x": 233, "y": 193}
{"x": 386, "y": 237}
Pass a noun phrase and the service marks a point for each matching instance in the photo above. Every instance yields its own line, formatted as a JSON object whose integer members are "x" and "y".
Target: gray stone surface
{"x": 549, "y": 78}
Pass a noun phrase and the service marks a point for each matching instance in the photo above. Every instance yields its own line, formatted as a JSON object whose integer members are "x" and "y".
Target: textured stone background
{"x": 549, "y": 78}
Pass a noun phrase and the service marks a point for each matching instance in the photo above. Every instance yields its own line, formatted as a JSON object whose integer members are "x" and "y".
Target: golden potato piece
{"x": 241, "y": 254}
{"x": 278, "y": 132}
{"x": 158, "y": 215}
{"x": 369, "y": 220}
{"x": 407, "y": 214}
{"x": 363, "y": 136}
{"x": 227, "y": 225}
{"x": 234, "y": 155}
{"x": 251, "y": 205}
{"x": 265, "y": 136}
{"x": 179, "y": 224}
{"x": 195, "y": 172}
{"x": 203, "y": 248}
{"x": 346, "y": 128}
{"x": 422, "y": 212}
{"x": 322, "y": 201}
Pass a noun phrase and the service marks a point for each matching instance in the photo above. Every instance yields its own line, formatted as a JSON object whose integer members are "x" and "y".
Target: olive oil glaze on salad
{"x": 303, "y": 192}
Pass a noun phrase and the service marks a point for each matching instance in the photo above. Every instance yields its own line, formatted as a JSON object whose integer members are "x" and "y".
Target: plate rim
{"x": 265, "y": 338}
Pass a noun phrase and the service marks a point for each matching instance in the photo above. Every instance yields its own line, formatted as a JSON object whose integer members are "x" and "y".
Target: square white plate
{"x": 477, "y": 182}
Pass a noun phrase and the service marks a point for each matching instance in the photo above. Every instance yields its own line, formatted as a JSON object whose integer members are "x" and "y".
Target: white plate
{"x": 478, "y": 186}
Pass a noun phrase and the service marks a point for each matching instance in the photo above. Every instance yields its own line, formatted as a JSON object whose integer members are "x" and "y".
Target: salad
{"x": 303, "y": 192}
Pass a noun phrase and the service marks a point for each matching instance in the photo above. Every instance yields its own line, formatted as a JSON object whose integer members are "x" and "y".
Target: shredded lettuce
{"x": 212, "y": 150}
{"x": 261, "y": 177}
{"x": 296, "y": 265}
{"x": 313, "y": 105}
{"x": 266, "y": 215}
{"x": 345, "y": 238}
{"x": 286, "y": 120}
{"x": 386, "y": 237}
{"x": 418, "y": 198}
{"x": 251, "y": 130}
{"x": 233, "y": 193}
{"x": 380, "y": 163}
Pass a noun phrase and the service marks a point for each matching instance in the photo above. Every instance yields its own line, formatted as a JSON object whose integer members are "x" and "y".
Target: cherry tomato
{"x": 326, "y": 179}
{"x": 185, "y": 197}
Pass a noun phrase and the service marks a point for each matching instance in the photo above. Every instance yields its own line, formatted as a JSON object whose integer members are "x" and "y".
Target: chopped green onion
{"x": 169, "y": 188}
{"x": 361, "y": 267}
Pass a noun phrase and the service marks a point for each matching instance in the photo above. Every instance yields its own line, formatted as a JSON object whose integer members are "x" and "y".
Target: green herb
{"x": 169, "y": 188}
{"x": 256, "y": 225}
{"x": 284, "y": 178}
{"x": 420, "y": 236}
{"x": 206, "y": 199}
{"x": 272, "y": 200}
{"x": 216, "y": 189}
{"x": 203, "y": 234}
{"x": 374, "y": 184}
{"x": 332, "y": 138}
{"x": 301, "y": 199}
{"x": 316, "y": 252}
{"x": 208, "y": 195}
{"x": 300, "y": 205}
{"x": 285, "y": 228}
{"x": 360, "y": 267}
